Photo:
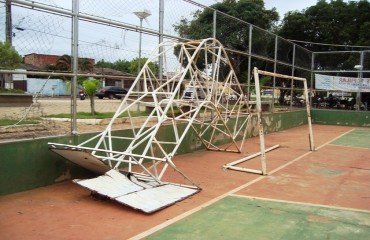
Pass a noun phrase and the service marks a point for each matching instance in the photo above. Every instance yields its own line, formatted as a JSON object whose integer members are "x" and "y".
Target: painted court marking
{"x": 210, "y": 202}
{"x": 301, "y": 203}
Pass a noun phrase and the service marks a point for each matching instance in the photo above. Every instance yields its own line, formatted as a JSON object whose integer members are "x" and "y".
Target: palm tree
{"x": 90, "y": 87}
{"x": 85, "y": 65}
{"x": 64, "y": 63}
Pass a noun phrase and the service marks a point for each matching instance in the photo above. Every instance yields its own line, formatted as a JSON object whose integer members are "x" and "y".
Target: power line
{"x": 328, "y": 44}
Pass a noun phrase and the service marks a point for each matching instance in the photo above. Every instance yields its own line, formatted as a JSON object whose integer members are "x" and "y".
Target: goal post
{"x": 263, "y": 149}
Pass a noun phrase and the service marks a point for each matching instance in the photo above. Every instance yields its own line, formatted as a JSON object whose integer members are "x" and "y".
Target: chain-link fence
{"x": 349, "y": 70}
{"x": 94, "y": 34}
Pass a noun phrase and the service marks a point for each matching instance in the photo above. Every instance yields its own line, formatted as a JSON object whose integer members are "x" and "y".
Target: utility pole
{"x": 8, "y": 21}
{"x": 75, "y": 9}
{"x": 8, "y": 78}
{"x": 141, "y": 14}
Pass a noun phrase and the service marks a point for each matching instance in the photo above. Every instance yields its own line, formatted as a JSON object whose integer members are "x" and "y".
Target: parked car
{"x": 111, "y": 92}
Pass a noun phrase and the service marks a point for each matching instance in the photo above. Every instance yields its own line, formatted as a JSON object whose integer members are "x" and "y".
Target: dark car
{"x": 111, "y": 92}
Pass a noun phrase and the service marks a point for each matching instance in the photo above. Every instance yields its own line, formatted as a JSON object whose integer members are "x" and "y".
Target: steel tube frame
{"x": 263, "y": 151}
{"x": 145, "y": 144}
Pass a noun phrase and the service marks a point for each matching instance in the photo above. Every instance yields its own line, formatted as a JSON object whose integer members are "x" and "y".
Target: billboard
{"x": 347, "y": 84}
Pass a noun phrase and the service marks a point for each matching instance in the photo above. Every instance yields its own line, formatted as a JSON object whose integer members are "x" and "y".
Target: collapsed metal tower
{"x": 213, "y": 105}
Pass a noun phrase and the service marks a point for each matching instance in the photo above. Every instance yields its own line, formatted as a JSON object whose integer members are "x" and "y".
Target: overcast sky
{"x": 94, "y": 38}
{"x": 284, "y": 6}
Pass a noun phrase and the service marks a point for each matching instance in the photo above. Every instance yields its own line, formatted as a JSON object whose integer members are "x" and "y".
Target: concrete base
{"x": 15, "y": 100}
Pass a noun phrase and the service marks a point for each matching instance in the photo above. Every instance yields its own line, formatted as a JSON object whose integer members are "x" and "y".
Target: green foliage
{"x": 90, "y": 87}
{"x": 7, "y": 122}
{"x": 127, "y": 66}
{"x": 235, "y": 35}
{"x": 9, "y": 57}
{"x": 122, "y": 65}
{"x": 103, "y": 64}
{"x": 85, "y": 65}
{"x": 134, "y": 64}
{"x": 64, "y": 63}
{"x": 334, "y": 22}
{"x": 18, "y": 91}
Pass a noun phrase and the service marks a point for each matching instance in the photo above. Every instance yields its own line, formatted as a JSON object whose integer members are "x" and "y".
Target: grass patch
{"x": 98, "y": 115}
{"x": 7, "y": 122}
{"x": 18, "y": 91}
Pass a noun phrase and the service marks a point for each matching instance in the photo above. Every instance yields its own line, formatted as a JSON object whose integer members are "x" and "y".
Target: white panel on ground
{"x": 154, "y": 199}
{"x": 118, "y": 187}
{"x": 113, "y": 184}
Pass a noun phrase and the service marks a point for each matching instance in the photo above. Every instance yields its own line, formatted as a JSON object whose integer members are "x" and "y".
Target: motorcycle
{"x": 82, "y": 94}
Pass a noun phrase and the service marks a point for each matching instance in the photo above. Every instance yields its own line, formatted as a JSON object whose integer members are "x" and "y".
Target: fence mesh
{"x": 109, "y": 32}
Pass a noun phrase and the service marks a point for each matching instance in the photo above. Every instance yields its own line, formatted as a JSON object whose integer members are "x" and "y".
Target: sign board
{"x": 347, "y": 84}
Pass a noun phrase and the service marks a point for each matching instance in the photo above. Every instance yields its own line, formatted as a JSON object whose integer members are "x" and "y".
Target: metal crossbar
{"x": 213, "y": 105}
{"x": 263, "y": 151}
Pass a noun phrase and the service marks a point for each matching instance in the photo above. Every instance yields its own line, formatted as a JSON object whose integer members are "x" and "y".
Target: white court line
{"x": 210, "y": 202}
{"x": 302, "y": 203}
{"x": 338, "y": 145}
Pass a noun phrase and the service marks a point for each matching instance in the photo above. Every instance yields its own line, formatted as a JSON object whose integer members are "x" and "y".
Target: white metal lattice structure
{"x": 263, "y": 151}
{"x": 214, "y": 107}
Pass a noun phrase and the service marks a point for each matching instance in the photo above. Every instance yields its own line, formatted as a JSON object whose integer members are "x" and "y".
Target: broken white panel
{"x": 117, "y": 186}
{"x": 81, "y": 157}
{"x": 153, "y": 199}
{"x": 113, "y": 184}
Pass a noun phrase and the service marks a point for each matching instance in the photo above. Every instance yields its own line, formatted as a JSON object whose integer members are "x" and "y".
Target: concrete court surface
{"x": 306, "y": 195}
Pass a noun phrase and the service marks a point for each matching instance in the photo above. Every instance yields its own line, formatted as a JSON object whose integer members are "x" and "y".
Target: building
{"x": 43, "y": 60}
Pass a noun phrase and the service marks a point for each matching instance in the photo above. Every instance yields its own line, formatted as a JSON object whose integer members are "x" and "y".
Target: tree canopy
{"x": 9, "y": 57}
{"x": 127, "y": 66}
{"x": 334, "y": 22}
{"x": 64, "y": 63}
{"x": 232, "y": 35}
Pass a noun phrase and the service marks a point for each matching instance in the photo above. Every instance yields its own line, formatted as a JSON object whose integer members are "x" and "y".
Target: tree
{"x": 336, "y": 22}
{"x": 64, "y": 63}
{"x": 104, "y": 64}
{"x": 9, "y": 57}
{"x": 134, "y": 65}
{"x": 235, "y": 35}
{"x": 122, "y": 65}
{"x": 85, "y": 65}
{"x": 90, "y": 87}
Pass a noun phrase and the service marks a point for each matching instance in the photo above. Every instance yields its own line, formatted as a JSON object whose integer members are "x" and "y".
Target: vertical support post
{"x": 249, "y": 60}
{"x": 8, "y": 78}
{"x": 274, "y": 77}
{"x": 312, "y": 76}
{"x": 139, "y": 64}
{"x": 8, "y": 22}
{"x": 259, "y": 119}
{"x": 291, "y": 85}
{"x": 214, "y": 37}
{"x": 359, "y": 75}
{"x": 309, "y": 121}
{"x": 161, "y": 21}
{"x": 75, "y": 10}
{"x": 213, "y": 56}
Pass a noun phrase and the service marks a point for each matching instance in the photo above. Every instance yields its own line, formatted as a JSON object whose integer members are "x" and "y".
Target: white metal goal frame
{"x": 211, "y": 112}
{"x": 262, "y": 153}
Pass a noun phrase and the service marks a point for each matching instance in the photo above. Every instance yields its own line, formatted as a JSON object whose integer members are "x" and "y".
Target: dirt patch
{"x": 321, "y": 219}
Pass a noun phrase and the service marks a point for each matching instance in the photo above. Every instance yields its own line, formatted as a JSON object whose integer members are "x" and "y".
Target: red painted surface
{"x": 333, "y": 175}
